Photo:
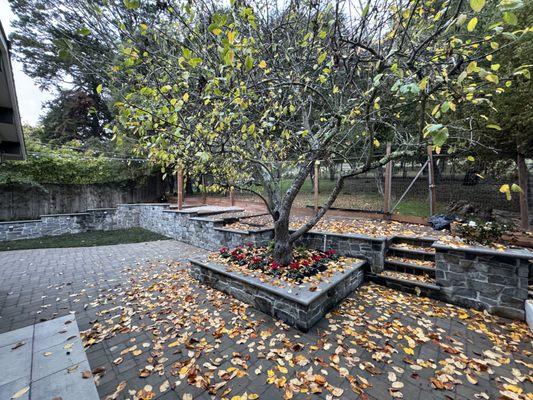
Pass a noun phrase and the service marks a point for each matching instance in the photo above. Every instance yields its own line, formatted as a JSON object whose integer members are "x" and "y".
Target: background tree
{"x": 252, "y": 92}
{"x": 69, "y": 46}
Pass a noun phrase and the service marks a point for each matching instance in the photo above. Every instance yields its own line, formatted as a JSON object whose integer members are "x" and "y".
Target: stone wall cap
{"x": 65, "y": 215}
{"x": 101, "y": 209}
{"x": 222, "y": 229}
{"x": 515, "y": 253}
{"x": 145, "y": 204}
{"x": 300, "y": 295}
{"x": 25, "y": 221}
{"x": 347, "y": 235}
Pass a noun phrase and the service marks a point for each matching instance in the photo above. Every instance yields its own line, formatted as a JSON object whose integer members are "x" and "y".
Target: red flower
{"x": 274, "y": 265}
{"x": 294, "y": 265}
{"x": 317, "y": 257}
{"x": 256, "y": 259}
{"x": 330, "y": 252}
{"x": 250, "y": 244}
{"x": 306, "y": 263}
{"x": 223, "y": 250}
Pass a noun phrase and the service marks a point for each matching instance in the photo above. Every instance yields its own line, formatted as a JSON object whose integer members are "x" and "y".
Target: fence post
{"x": 522, "y": 182}
{"x": 204, "y": 192}
{"x": 232, "y": 196}
{"x": 179, "y": 179}
{"x": 431, "y": 179}
{"x": 315, "y": 186}
{"x": 388, "y": 182}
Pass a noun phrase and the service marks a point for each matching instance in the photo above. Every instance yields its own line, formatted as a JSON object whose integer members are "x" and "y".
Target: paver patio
{"x": 150, "y": 325}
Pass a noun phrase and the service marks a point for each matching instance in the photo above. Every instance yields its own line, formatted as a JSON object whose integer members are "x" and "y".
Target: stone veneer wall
{"x": 484, "y": 279}
{"x": 51, "y": 225}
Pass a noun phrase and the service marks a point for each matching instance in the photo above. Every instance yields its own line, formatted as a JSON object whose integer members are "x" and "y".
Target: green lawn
{"x": 88, "y": 239}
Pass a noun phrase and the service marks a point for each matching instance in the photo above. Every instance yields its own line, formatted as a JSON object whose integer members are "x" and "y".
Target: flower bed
{"x": 299, "y": 302}
{"x": 310, "y": 266}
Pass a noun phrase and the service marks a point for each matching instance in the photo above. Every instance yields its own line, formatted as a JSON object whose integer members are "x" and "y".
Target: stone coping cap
{"x": 300, "y": 295}
{"x": 222, "y": 229}
{"x": 208, "y": 210}
{"x": 145, "y": 204}
{"x": 350, "y": 235}
{"x": 101, "y": 209}
{"x": 423, "y": 238}
{"x": 25, "y": 221}
{"x": 65, "y": 215}
{"x": 515, "y": 253}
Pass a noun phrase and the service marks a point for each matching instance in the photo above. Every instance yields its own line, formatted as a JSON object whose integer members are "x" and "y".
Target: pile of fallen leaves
{"x": 188, "y": 338}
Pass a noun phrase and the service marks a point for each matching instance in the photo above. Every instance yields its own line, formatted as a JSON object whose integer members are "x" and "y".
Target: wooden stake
{"x": 315, "y": 185}
{"x": 179, "y": 179}
{"x": 232, "y": 196}
{"x": 522, "y": 182}
{"x": 388, "y": 182}
{"x": 204, "y": 192}
{"x": 431, "y": 179}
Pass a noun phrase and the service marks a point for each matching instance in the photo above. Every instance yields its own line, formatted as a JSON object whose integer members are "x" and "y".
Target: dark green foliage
{"x": 47, "y": 164}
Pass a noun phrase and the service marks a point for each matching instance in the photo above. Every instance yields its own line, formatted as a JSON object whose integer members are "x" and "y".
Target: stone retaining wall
{"x": 51, "y": 225}
{"x": 484, "y": 279}
{"x": 474, "y": 277}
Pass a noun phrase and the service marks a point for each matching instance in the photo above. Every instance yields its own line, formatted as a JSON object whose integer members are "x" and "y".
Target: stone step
{"x": 400, "y": 266}
{"x": 416, "y": 254}
{"x": 405, "y": 285}
{"x": 417, "y": 241}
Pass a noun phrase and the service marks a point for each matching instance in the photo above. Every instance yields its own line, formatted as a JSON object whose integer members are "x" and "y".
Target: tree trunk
{"x": 282, "y": 244}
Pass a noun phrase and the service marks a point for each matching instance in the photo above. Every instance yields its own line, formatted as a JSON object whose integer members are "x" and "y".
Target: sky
{"x": 30, "y": 97}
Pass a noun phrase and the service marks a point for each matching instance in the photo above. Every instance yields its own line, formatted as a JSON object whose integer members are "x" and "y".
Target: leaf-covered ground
{"x": 189, "y": 341}
{"x": 152, "y": 332}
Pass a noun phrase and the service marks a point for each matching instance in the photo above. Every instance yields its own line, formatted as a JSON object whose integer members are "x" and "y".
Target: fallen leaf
{"x": 20, "y": 393}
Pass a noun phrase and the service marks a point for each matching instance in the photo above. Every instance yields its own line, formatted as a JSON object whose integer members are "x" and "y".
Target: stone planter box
{"x": 296, "y": 305}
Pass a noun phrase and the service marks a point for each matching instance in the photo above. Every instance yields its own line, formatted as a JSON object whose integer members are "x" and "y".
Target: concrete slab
{"x": 48, "y": 359}
{"x": 13, "y": 337}
{"x": 54, "y": 332}
{"x": 9, "y": 389}
{"x": 15, "y": 363}
{"x": 65, "y": 385}
{"x": 55, "y": 358}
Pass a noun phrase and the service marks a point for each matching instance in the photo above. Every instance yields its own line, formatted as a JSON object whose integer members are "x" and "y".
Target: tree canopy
{"x": 247, "y": 91}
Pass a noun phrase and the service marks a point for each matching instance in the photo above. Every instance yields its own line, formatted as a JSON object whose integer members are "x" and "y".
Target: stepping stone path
{"x": 45, "y": 361}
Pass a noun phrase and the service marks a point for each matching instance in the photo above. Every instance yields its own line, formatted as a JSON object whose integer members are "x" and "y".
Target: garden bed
{"x": 300, "y": 301}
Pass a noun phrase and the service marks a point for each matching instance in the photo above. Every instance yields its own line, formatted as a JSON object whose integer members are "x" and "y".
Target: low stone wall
{"x": 484, "y": 279}
{"x": 476, "y": 277}
{"x": 51, "y": 225}
{"x": 300, "y": 307}
{"x": 351, "y": 245}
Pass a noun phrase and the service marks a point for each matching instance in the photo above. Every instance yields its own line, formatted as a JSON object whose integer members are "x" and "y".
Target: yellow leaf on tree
{"x": 507, "y": 190}
{"x": 472, "y": 24}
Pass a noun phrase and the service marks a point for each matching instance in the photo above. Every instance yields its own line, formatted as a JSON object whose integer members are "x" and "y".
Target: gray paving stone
{"x": 9, "y": 389}
{"x": 55, "y": 332}
{"x": 56, "y": 358}
{"x": 15, "y": 364}
{"x": 68, "y": 386}
{"x": 12, "y": 337}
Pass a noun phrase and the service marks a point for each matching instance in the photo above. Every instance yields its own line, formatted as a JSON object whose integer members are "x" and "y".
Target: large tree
{"x": 253, "y": 92}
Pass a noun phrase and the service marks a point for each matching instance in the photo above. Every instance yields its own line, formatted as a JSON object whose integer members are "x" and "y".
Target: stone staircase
{"x": 409, "y": 266}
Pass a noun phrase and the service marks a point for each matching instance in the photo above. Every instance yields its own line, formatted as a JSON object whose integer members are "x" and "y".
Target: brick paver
{"x": 141, "y": 309}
